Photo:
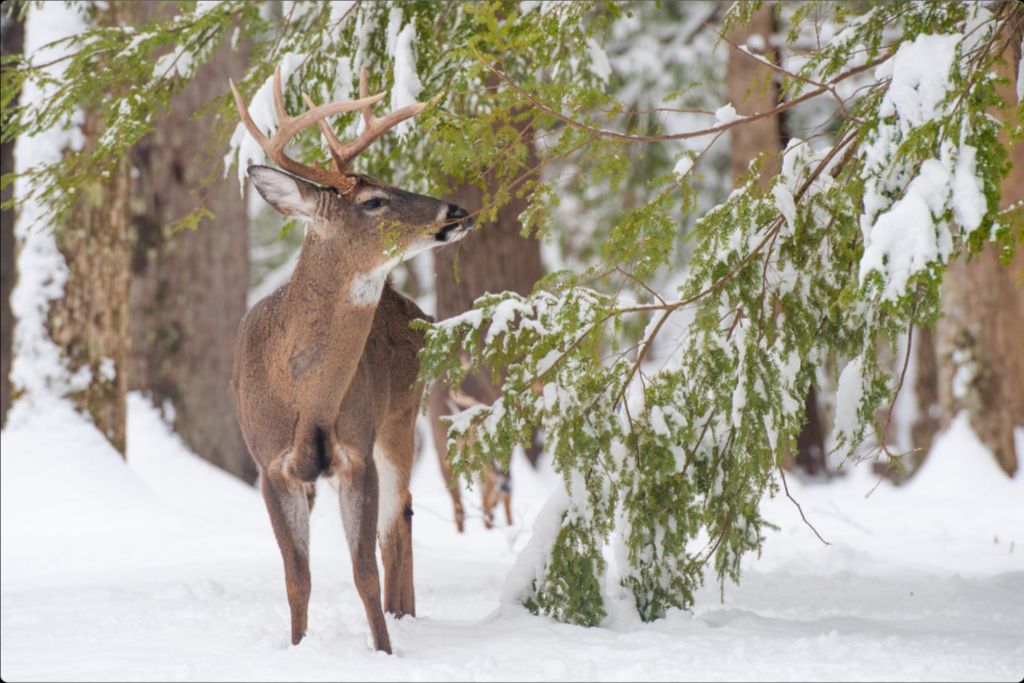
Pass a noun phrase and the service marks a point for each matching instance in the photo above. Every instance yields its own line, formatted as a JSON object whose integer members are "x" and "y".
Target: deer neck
{"x": 328, "y": 313}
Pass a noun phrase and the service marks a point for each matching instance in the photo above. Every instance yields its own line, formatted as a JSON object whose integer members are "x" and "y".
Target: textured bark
{"x": 12, "y": 41}
{"x": 810, "y": 443}
{"x": 752, "y": 88}
{"x": 90, "y": 322}
{"x": 494, "y": 258}
{"x": 981, "y": 337}
{"x": 189, "y": 288}
{"x": 926, "y": 392}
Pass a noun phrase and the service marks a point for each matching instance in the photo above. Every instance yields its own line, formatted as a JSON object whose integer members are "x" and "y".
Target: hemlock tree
{"x": 841, "y": 253}
{"x": 752, "y": 88}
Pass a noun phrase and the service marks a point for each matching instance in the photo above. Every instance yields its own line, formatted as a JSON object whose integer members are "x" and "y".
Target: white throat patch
{"x": 366, "y": 288}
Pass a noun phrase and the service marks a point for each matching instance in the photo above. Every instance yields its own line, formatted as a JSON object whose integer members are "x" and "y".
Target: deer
{"x": 495, "y": 481}
{"x": 325, "y": 368}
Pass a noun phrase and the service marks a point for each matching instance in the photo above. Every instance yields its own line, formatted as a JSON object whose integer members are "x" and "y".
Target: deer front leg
{"x": 357, "y": 494}
{"x": 289, "y": 516}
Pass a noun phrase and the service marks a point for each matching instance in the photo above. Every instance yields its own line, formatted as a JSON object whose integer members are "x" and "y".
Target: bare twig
{"x": 785, "y": 486}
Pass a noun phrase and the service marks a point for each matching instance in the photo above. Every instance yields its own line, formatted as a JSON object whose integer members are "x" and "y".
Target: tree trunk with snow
{"x": 189, "y": 286}
{"x": 90, "y": 322}
{"x": 12, "y": 33}
{"x": 751, "y": 89}
{"x": 981, "y": 336}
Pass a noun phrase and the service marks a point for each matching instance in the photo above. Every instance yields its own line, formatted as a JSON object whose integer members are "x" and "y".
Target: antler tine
{"x": 282, "y": 115}
{"x": 368, "y": 116}
{"x": 373, "y": 127}
{"x": 332, "y": 140}
{"x": 289, "y": 126}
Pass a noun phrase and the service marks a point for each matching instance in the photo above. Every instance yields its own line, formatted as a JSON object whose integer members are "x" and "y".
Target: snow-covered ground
{"x": 166, "y": 569}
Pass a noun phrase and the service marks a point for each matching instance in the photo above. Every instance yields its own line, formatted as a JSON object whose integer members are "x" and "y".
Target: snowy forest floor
{"x": 167, "y": 570}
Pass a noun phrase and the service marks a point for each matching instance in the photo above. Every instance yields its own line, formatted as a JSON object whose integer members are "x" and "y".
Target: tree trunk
{"x": 926, "y": 393}
{"x": 980, "y": 338}
{"x": 90, "y": 322}
{"x": 752, "y": 88}
{"x": 493, "y": 258}
{"x": 12, "y": 36}
{"x": 189, "y": 288}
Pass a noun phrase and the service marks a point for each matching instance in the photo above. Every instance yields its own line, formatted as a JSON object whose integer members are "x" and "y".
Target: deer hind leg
{"x": 437, "y": 407}
{"x": 289, "y": 516}
{"x": 502, "y": 482}
{"x": 489, "y": 495}
{"x": 357, "y": 495}
{"x": 393, "y": 456}
{"x": 506, "y": 497}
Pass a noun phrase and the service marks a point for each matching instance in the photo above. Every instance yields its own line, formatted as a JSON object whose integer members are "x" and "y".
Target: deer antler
{"x": 342, "y": 154}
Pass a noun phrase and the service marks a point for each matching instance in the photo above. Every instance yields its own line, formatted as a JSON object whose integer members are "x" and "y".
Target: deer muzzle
{"x": 457, "y": 224}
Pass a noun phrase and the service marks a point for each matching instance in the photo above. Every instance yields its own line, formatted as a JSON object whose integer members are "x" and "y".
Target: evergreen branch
{"x": 774, "y": 111}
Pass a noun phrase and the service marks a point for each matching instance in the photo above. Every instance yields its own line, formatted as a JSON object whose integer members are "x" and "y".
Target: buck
{"x": 325, "y": 367}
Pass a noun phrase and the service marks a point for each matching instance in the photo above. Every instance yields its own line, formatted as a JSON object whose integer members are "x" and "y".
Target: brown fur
{"x": 325, "y": 384}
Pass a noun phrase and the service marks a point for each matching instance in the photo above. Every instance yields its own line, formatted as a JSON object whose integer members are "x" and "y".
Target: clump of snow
{"x": 204, "y": 6}
{"x": 107, "y": 369}
{"x": 848, "y": 397}
{"x": 1020, "y": 74}
{"x": 906, "y": 239}
{"x": 966, "y": 373}
{"x": 968, "y": 199}
{"x": 726, "y": 114}
{"x": 340, "y": 10}
{"x": 683, "y": 166}
{"x": 599, "y": 64}
{"x": 393, "y": 28}
{"x": 504, "y": 314}
{"x": 756, "y": 42}
{"x": 407, "y": 83}
{"x": 38, "y": 369}
{"x": 177, "y": 62}
{"x": 531, "y": 564}
{"x": 243, "y": 146}
{"x": 920, "y": 79}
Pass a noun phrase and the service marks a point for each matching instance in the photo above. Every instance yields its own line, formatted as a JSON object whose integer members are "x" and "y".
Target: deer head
{"x": 359, "y": 227}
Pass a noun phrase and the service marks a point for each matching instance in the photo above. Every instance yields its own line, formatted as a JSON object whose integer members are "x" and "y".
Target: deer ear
{"x": 289, "y": 195}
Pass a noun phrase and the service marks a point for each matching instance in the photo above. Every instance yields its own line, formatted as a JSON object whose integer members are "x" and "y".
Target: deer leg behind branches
{"x": 437, "y": 407}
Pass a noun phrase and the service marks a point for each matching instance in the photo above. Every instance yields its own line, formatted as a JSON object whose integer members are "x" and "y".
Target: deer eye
{"x": 371, "y": 204}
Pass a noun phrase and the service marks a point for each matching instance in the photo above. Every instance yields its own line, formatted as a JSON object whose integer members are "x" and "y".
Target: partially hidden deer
{"x": 325, "y": 367}
{"x": 495, "y": 481}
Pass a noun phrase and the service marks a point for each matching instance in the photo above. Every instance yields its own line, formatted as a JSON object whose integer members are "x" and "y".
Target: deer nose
{"x": 456, "y": 213}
